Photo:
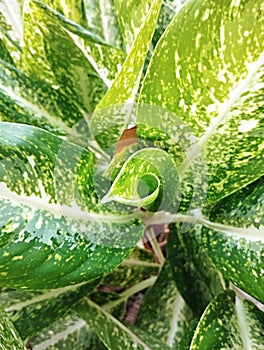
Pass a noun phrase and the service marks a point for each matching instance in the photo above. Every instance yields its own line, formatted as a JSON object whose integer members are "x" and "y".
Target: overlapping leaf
{"x": 51, "y": 214}
{"x": 229, "y": 323}
{"x": 199, "y": 73}
{"x": 112, "y": 332}
{"x": 31, "y": 313}
{"x": 115, "y": 112}
{"x": 9, "y": 337}
{"x": 163, "y": 312}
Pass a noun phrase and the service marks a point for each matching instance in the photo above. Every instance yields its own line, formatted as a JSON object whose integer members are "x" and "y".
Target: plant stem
{"x": 130, "y": 291}
{"x": 154, "y": 243}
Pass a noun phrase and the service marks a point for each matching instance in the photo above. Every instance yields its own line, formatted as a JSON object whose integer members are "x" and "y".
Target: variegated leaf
{"x": 208, "y": 69}
{"x": 51, "y": 214}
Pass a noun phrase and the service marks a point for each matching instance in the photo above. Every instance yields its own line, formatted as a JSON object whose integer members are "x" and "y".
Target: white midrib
{"x": 58, "y": 211}
{"x": 54, "y": 121}
{"x": 61, "y": 335}
{"x": 39, "y": 298}
{"x": 251, "y": 233}
{"x": 177, "y": 308}
{"x": 223, "y": 114}
{"x": 243, "y": 327}
{"x": 104, "y": 21}
{"x": 8, "y": 7}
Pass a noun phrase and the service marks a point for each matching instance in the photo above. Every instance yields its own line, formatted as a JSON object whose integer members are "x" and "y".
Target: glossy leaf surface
{"x": 51, "y": 213}
{"x": 208, "y": 69}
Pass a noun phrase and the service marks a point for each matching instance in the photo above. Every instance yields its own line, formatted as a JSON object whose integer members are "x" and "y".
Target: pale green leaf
{"x": 147, "y": 179}
{"x": 229, "y": 323}
{"x": 11, "y": 19}
{"x": 131, "y": 14}
{"x": 30, "y": 314}
{"x": 101, "y": 19}
{"x": 208, "y": 69}
{"x": 51, "y": 213}
{"x": 114, "y": 109}
{"x": 9, "y": 337}
{"x": 112, "y": 332}
{"x": 163, "y": 313}
{"x": 72, "y": 9}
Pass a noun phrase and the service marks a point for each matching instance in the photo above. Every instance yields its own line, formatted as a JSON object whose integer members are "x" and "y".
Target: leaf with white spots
{"x": 208, "y": 68}
{"x": 51, "y": 213}
{"x": 30, "y": 314}
{"x": 235, "y": 240}
{"x": 68, "y": 57}
{"x": 163, "y": 313}
{"x": 68, "y": 333}
{"x": 112, "y": 332}
{"x": 194, "y": 274}
{"x": 147, "y": 179}
{"x": 138, "y": 266}
{"x": 11, "y": 19}
{"x": 101, "y": 19}
{"x": 113, "y": 113}
{"x": 9, "y": 337}
{"x": 229, "y": 323}
{"x": 72, "y": 9}
{"x": 130, "y": 15}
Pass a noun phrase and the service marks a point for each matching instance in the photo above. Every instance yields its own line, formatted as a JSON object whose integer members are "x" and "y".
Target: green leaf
{"x": 11, "y": 30}
{"x": 70, "y": 59}
{"x": 67, "y": 333}
{"x": 147, "y": 179}
{"x": 113, "y": 113}
{"x": 131, "y": 14}
{"x": 102, "y": 20}
{"x": 73, "y": 10}
{"x": 9, "y": 337}
{"x": 37, "y": 312}
{"x": 11, "y": 19}
{"x": 208, "y": 69}
{"x": 163, "y": 313}
{"x": 195, "y": 276}
{"x": 139, "y": 266}
{"x": 111, "y": 331}
{"x": 29, "y": 100}
{"x": 229, "y": 323}
{"x": 51, "y": 214}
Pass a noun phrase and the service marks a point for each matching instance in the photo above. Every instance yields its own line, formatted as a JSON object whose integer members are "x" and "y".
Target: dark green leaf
{"x": 51, "y": 214}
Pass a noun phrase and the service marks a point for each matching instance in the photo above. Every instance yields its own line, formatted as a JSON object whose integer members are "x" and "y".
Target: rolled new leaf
{"x": 54, "y": 231}
{"x": 148, "y": 179}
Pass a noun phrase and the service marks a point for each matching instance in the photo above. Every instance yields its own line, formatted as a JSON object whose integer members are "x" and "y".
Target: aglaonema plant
{"x": 78, "y": 191}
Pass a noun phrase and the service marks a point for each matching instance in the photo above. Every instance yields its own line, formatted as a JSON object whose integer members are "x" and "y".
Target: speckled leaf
{"x": 29, "y": 100}
{"x": 163, "y": 313}
{"x": 111, "y": 331}
{"x": 208, "y": 68}
{"x": 125, "y": 86}
{"x": 101, "y": 19}
{"x": 11, "y": 19}
{"x": 51, "y": 214}
{"x": 32, "y": 313}
{"x": 147, "y": 179}
{"x": 237, "y": 245}
{"x": 9, "y": 337}
{"x": 131, "y": 14}
{"x": 68, "y": 333}
{"x": 138, "y": 266}
{"x": 229, "y": 323}
{"x": 68, "y": 57}
{"x": 11, "y": 30}
{"x": 194, "y": 273}
{"x": 72, "y": 9}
